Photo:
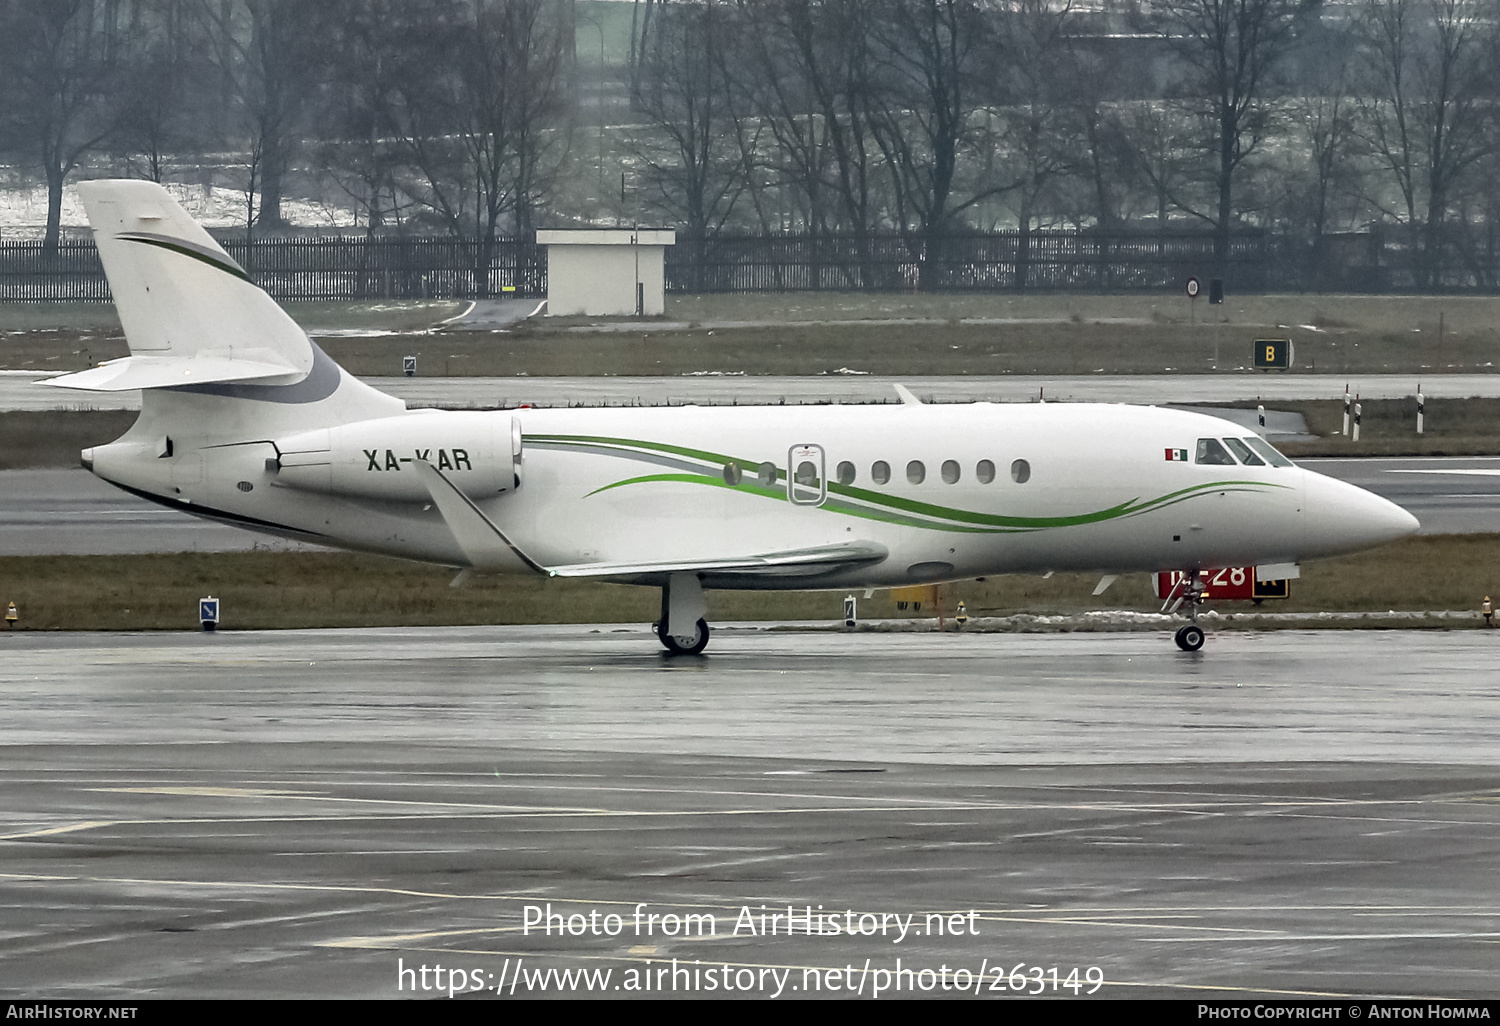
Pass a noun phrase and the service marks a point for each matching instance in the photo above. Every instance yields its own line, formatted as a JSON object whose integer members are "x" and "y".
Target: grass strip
{"x": 812, "y": 333}
{"x": 272, "y": 590}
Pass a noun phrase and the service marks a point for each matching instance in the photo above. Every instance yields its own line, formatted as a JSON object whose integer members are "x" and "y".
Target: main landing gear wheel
{"x": 1190, "y": 637}
{"x": 683, "y": 646}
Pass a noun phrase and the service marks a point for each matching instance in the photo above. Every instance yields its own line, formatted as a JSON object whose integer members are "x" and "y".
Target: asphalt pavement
{"x": 336, "y": 814}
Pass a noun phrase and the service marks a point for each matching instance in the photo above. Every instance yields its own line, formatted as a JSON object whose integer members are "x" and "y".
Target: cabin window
{"x": 807, "y": 473}
{"x": 1268, "y": 450}
{"x": 950, "y": 471}
{"x": 1212, "y": 453}
{"x": 1243, "y": 454}
{"x": 1020, "y": 472}
{"x": 985, "y": 471}
{"x": 766, "y": 475}
{"x": 732, "y": 474}
{"x": 846, "y": 473}
{"x": 880, "y": 472}
{"x": 916, "y": 473}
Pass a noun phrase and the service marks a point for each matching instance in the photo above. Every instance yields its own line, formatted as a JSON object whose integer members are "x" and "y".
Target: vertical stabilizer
{"x": 178, "y": 293}
{"x": 213, "y": 355}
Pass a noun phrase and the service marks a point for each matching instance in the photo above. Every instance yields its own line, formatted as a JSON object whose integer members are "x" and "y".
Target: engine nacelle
{"x": 372, "y": 459}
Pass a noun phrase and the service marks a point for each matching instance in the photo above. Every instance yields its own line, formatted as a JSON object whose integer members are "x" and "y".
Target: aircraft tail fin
{"x": 191, "y": 314}
{"x": 202, "y": 335}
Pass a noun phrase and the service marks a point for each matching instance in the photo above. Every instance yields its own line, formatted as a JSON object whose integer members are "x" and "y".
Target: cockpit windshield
{"x": 1267, "y": 450}
{"x": 1211, "y": 452}
{"x": 1243, "y": 454}
{"x": 1252, "y": 452}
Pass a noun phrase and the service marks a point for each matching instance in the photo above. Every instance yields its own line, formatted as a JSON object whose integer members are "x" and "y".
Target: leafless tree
{"x": 355, "y": 152}
{"x": 59, "y": 67}
{"x": 1427, "y": 107}
{"x": 804, "y": 67}
{"x": 642, "y": 28}
{"x": 477, "y": 108}
{"x": 1163, "y": 157}
{"x": 1232, "y": 49}
{"x": 1106, "y": 160}
{"x": 1040, "y": 131}
{"x": 271, "y": 56}
{"x": 1327, "y": 186}
{"x": 699, "y": 174}
{"x": 927, "y": 56}
{"x": 155, "y": 121}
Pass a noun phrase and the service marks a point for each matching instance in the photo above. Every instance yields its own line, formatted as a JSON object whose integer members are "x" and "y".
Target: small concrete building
{"x": 606, "y": 271}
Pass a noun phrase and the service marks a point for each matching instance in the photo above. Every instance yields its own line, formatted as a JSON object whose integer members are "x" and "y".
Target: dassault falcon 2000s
{"x": 245, "y": 420}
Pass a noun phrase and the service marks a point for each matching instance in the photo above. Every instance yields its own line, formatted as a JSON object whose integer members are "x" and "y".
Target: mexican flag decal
{"x": 1176, "y": 455}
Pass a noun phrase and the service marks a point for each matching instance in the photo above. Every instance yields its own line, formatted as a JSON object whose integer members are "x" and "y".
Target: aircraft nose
{"x": 1342, "y": 518}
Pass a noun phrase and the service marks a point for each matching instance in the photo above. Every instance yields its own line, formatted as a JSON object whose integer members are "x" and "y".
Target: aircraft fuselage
{"x": 950, "y": 491}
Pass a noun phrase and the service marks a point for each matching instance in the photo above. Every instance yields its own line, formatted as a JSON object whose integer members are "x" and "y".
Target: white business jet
{"x": 244, "y": 420}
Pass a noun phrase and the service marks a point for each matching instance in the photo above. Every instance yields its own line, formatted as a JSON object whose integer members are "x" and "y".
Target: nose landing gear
{"x": 1189, "y": 637}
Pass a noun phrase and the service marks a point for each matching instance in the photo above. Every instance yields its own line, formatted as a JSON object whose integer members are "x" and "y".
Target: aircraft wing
{"x": 483, "y": 544}
{"x": 487, "y": 547}
{"x": 795, "y": 562}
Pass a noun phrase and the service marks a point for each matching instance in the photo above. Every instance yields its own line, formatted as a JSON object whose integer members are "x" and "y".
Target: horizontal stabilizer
{"x": 132, "y": 372}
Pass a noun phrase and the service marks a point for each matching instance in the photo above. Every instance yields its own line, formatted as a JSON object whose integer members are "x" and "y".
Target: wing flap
{"x": 790, "y": 563}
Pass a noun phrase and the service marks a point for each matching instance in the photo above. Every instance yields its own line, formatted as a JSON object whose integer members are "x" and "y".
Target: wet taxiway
{"x": 57, "y": 512}
{"x": 310, "y": 813}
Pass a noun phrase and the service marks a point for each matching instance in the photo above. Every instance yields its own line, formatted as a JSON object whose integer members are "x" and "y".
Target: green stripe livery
{"x": 850, "y": 500}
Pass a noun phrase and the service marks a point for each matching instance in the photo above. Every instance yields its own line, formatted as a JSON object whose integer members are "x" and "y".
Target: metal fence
{"x": 993, "y": 261}
{"x": 1377, "y": 261}
{"x": 1010, "y": 261}
{"x": 317, "y": 268}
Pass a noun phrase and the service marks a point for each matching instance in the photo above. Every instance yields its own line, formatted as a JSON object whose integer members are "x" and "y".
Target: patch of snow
{"x": 23, "y": 212}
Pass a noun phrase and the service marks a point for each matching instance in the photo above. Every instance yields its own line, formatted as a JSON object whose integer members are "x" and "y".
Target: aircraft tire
{"x": 1190, "y": 638}
{"x": 675, "y": 647}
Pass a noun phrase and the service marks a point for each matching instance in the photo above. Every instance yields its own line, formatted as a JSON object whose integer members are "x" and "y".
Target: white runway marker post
{"x": 1346, "y": 411}
{"x": 1358, "y": 409}
{"x": 1421, "y": 404}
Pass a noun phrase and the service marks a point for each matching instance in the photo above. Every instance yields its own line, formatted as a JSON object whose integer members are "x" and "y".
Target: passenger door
{"x": 806, "y": 483}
